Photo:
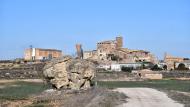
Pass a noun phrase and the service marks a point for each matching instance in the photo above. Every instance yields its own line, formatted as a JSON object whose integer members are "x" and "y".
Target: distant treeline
{"x": 6, "y": 61}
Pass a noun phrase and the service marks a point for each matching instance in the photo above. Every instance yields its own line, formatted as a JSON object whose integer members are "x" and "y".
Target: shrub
{"x": 114, "y": 58}
{"x": 181, "y": 66}
{"x": 127, "y": 69}
{"x": 165, "y": 67}
{"x": 156, "y": 68}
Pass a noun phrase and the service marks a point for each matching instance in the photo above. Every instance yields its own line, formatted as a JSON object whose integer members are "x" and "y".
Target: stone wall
{"x": 116, "y": 76}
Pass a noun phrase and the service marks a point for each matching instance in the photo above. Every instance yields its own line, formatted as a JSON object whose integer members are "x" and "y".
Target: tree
{"x": 156, "y": 68}
{"x": 165, "y": 67}
{"x": 127, "y": 69}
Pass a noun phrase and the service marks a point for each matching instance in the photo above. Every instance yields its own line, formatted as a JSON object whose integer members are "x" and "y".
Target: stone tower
{"x": 119, "y": 41}
{"x": 79, "y": 51}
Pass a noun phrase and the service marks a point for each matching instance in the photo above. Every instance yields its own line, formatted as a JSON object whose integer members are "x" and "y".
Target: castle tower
{"x": 119, "y": 41}
{"x": 79, "y": 51}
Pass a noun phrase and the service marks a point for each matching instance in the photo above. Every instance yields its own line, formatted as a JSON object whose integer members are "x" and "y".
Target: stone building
{"x": 112, "y": 50}
{"x": 41, "y": 54}
{"x": 105, "y": 49}
{"x": 129, "y": 55}
{"x": 171, "y": 60}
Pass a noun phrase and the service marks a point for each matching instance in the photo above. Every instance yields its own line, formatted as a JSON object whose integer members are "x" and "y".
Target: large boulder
{"x": 70, "y": 73}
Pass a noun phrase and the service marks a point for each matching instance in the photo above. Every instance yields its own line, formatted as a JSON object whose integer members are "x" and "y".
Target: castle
{"x": 113, "y": 51}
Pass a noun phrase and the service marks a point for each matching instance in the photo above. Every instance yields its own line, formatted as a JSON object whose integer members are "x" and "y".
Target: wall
{"x": 116, "y": 76}
{"x": 90, "y": 55}
{"x": 27, "y": 54}
{"x": 176, "y": 74}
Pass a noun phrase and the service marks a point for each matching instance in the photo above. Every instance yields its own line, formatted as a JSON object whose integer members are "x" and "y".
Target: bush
{"x": 114, "y": 58}
{"x": 165, "y": 67}
{"x": 126, "y": 69}
{"x": 156, "y": 68}
{"x": 181, "y": 66}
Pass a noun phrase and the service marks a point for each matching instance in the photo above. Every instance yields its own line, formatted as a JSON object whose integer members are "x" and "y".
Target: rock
{"x": 70, "y": 73}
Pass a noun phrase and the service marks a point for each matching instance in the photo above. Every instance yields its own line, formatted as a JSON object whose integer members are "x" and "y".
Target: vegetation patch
{"x": 183, "y": 98}
{"x": 20, "y": 90}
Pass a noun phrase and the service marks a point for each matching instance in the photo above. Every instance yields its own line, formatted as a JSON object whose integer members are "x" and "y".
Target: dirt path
{"x": 146, "y": 97}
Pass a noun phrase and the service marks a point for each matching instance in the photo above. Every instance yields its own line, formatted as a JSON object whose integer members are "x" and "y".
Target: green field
{"x": 20, "y": 90}
{"x": 177, "y": 85}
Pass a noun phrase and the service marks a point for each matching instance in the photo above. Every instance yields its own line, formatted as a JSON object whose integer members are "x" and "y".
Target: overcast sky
{"x": 158, "y": 26}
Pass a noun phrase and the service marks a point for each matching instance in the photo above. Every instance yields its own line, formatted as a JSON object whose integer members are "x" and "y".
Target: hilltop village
{"x": 112, "y": 55}
{"x": 109, "y": 56}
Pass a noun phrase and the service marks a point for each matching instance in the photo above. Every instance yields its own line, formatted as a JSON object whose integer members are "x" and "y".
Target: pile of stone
{"x": 70, "y": 73}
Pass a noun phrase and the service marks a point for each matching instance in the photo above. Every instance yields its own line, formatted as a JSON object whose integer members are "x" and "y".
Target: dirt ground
{"x": 147, "y": 97}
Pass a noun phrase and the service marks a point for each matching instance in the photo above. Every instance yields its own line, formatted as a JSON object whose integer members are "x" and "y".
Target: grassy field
{"x": 177, "y": 85}
{"x": 20, "y": 90}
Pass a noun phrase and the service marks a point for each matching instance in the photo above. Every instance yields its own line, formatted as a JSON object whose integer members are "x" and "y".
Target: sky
{"x": 157, "y": 26}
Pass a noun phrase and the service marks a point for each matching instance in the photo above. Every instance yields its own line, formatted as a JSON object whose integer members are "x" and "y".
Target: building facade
{"x": 132, "y": 56}
{"x": 90, "y": 54}
{"x": 41, "y": 54}
{"x": 105, "y": 49}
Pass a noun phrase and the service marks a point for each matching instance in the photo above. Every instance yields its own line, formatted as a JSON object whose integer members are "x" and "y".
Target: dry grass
{"x": 181, "y": 97}
{"x": 96, "y": 97}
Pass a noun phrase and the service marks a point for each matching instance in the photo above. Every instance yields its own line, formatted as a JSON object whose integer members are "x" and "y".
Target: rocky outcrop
{"x": 69, "y": 73}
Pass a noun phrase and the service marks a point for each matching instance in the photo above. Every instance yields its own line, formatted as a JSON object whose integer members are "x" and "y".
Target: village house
{"x": 41, "y": 54}
{"x": 171, "y": 60}
{"x": 90, "y": 54}
{"x": 132, "y": 56}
